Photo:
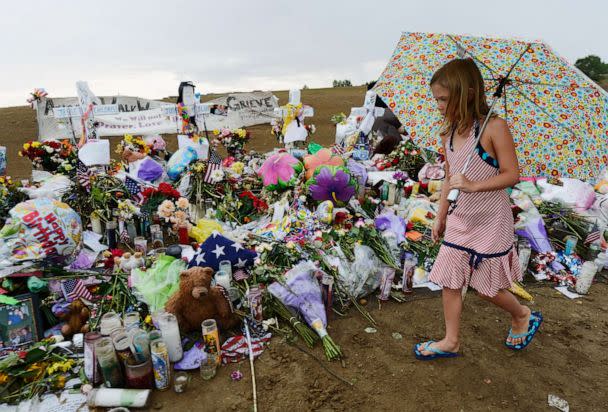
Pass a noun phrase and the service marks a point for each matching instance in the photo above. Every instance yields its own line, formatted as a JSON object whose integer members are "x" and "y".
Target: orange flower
{"x": 323, "y": 157}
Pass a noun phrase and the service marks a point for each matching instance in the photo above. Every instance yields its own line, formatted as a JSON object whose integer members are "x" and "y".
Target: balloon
{"x": 333, "y": 183}
{"x": 41, "y": 229}
{"x": 321, "y": 157}
{"x": 280, "y": 171}
{"x": 180, "y": 160}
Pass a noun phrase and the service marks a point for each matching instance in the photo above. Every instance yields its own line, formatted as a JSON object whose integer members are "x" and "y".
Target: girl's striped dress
{"x": 477, "y": 250}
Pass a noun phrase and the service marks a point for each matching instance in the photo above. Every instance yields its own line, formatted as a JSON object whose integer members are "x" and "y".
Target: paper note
{"x": 564, "y": 291}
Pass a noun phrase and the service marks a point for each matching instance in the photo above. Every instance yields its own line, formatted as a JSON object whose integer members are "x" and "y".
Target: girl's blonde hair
{"x": 460, "y": 76}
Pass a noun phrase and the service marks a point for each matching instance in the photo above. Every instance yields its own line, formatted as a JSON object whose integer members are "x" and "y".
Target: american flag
{"x": 235, "y": 348}
{"x": 211, "y": 167}
{"x": 337, "y": 150}
{"x": 594, "y": 235}
{"x": 73, "y": 289}
{"x": 240, "y": 274}
{"x": 124, "y": 235}
{"x": 84, "y": 174}
{"x": 134, "y": 189}
{"x": 214, "y": 157}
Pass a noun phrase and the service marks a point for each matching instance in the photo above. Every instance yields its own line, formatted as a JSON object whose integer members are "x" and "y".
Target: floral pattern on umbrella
{"x": 332, "y": 183}
{"x": 558, "y": 116}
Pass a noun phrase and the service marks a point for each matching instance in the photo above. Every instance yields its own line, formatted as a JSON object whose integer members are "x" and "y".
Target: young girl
{"x": 477, "y": 250}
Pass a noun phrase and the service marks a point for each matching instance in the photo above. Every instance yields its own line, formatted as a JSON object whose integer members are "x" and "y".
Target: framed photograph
{"x": 20, "y": 324}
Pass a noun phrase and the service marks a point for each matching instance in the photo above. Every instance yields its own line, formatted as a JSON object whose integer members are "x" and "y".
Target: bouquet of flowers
{"x": 126, "y": 210}
{"x": 177, "y": 213}
{"x": 232, "y": 140}
{"x": 132, "y": 144}
{"x": 106, "y": 194}
{"x": 51, "y": 155}
{"x": 407, "y": 157}
{"x": 10, "y": 195}
{"x": 40, "y": 369}
{"x": 240, "y": 207}
{"x": 154, "y": 197}
{"x": 302, "y": 294}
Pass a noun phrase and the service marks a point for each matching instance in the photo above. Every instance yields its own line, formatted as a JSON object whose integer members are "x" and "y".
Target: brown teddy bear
{"x": 196, "y": 301}
{"x": 76, "y": 318}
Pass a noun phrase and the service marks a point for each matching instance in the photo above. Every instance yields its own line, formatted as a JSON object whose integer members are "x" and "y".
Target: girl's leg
{"x": 520, "y": 314}
{"x": 452, "y": 308}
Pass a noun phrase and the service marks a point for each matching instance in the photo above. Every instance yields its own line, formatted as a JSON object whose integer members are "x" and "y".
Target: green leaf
{"x": 35, "y": 355}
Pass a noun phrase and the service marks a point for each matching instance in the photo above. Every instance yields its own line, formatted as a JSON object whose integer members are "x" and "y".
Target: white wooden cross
{"x": 295, "y": 130}
{"x": 366, "y": 115}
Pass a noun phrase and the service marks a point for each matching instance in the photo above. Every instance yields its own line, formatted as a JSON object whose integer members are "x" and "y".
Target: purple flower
{"x": 400, "y": 176}
{"x": 387, "y": 220}
{"x": 336, "y": 187}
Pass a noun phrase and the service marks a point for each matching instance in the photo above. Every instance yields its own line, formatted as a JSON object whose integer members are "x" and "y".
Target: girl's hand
{"x": 460, "y": 182}
{"x": 438, "y": 230}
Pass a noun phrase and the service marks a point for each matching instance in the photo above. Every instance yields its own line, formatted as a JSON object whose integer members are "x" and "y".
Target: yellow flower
{"x": 59, "y": 383}
{"x": 148, "y": 320}
{"x": 3, "y": 378}
{"x": 241, "y": 133}
{"x": 216, "y": 132}
{"x": 36, "y": 145}
{"x": 62, "y": 366}
{"x": 26, "y": 146}
{"x": 237, "y": 167}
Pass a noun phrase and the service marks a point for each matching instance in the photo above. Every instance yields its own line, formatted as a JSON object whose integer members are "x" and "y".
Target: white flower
{"x": 217, "y": 176}
{"x": 48, "y": 149}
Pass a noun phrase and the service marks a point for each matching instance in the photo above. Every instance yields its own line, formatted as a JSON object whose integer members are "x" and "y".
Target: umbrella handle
{"x": 453, "y": 195}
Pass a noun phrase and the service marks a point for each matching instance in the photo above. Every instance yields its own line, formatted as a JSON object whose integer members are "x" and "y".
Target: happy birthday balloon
{"x": 41, "y": 229}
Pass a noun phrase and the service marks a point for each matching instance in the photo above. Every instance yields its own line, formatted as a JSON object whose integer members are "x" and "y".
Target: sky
{"x": 145, "y": 48}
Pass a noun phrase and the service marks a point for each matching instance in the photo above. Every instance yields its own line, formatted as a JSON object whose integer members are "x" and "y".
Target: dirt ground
{"x": 568, "y": 358}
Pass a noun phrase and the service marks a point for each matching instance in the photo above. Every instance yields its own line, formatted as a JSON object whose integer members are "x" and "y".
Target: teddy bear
{"x": 75, "y": 315}
{"x": 196, "y": 300}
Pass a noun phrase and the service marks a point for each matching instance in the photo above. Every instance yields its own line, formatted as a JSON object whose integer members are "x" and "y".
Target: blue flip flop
{"x": 536, "y": 318}
{"x": 437, "y": 353}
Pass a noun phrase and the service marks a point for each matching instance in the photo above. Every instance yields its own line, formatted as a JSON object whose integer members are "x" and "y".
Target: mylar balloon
{"x": 42, "y": 228}
{"x": 180, "y": 160}
{"x": 280, "y": 171}
{"x": 332, "y": 183}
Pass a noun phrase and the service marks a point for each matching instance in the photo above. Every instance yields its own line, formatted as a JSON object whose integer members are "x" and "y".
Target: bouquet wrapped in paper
{"x": 302, "y": 294}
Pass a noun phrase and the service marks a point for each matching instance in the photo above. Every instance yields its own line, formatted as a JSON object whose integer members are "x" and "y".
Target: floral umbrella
{"x": 332, "y": 183}
{"x": 280, "y": 171}
{"x": 556, "y": 114}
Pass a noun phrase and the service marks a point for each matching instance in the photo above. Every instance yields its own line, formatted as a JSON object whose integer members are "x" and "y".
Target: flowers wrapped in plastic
{"x": 302, "y": 294}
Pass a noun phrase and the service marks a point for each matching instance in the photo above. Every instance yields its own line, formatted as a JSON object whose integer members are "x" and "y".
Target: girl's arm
{"x": 502, "y": 141}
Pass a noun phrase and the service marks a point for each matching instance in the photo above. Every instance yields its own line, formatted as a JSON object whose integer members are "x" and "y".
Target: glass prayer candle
{"x": 110, "y": 367}
{"x": 139, "y": 375}
{"x": 170, "y": 331}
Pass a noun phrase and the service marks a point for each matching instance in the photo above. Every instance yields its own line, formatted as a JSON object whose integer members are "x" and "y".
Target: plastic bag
{"x": 158, "y": 283}
{"x": 573, "y": 193}
{"x": 362, "y": 276}
{"x": 41, "y": 229}
{"x": 51, "y": 186}
{"x": 203, "y": 229}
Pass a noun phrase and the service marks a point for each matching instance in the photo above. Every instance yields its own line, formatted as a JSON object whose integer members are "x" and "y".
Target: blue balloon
{"x": 180, "y": 160}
